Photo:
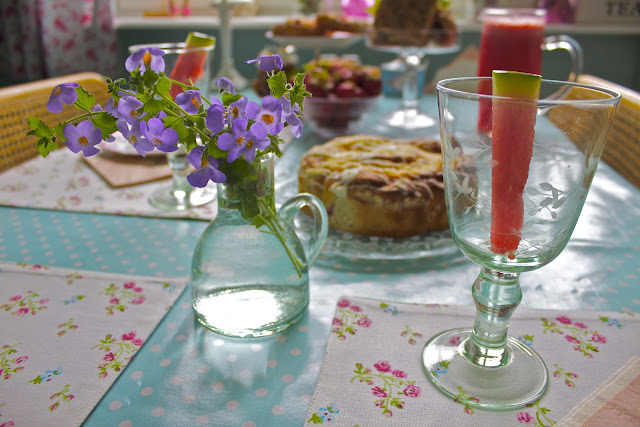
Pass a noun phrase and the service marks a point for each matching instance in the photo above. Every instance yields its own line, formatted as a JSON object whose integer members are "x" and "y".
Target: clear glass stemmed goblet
{"x": 571, "y": 126}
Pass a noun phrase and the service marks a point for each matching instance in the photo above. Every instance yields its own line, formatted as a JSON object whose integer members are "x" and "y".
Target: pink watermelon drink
{"x": 190, "y": 65}
{"x": 509, "y": 41}
{"x": 512, "y": 133}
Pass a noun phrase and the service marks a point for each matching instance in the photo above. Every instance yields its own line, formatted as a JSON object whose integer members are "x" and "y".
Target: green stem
{"x": 276, "y": 230}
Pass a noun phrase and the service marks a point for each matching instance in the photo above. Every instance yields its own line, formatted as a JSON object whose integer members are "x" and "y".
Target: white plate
{"x": 337, "y": 40}
{"x": 121, "y": 146}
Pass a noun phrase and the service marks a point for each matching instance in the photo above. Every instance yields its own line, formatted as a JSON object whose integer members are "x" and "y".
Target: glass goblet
{"x": 571, "y": 125}
{"x": 181, "y": 195}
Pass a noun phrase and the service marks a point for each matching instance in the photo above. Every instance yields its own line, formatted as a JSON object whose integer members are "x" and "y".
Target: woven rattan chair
{"x": 30, "y": 99}
{"x": 622, "y": 151}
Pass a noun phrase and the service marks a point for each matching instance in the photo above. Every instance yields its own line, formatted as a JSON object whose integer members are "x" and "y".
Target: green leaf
{"x": 149, "y": 78}
{"x": 153, "y": 106}
{"x": 85, "y": 101}
{"x": 228, "y": 98}
{"x": 106, "y": 122}
{"x": 164, "y": 85}
{"x": 46, "y": 146}
{"x": 39, "y": 128}
{"x": 278, "y": 84}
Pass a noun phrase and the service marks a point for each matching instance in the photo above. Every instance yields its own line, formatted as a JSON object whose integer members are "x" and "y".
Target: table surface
{"x": 188, "y": 375}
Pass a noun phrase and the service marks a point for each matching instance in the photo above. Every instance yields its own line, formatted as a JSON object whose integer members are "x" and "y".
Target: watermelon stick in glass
{"x": 512, "y": 134}
{"x": 192, "y": 61}
{"x": 513, "y": 198}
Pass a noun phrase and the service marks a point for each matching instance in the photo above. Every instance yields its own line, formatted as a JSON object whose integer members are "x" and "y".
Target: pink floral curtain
{"x": 48, "y": 38}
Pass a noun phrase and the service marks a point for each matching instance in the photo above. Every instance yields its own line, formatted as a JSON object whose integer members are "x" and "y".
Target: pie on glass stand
{"x": 377, "y": 186}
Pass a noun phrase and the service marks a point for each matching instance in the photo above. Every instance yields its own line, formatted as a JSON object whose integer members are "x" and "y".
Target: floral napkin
{"x": 63, "y": 181}
{"x": 66, "y": 335}
{"x": 372, "y": 373}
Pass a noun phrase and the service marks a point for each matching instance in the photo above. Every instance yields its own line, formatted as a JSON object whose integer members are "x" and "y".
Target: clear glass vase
{"x": 250, "y": 270}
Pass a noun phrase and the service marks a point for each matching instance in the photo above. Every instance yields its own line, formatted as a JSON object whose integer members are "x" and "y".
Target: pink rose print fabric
{"x": 60, "y": 349}
{"x": 41, "y": 39}
{"x": 373, "y": 374}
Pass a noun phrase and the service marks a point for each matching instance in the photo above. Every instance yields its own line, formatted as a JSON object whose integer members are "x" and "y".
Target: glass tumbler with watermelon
{"x": 513, "y": 197}
{"x": 185, "y": 62}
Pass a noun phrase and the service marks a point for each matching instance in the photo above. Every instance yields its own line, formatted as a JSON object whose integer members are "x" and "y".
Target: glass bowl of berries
{"x": 343, "y": 93}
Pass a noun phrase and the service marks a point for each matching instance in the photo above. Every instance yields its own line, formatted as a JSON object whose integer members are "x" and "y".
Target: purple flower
{"x": 258, "y": 140}
{"x": 268, "y": 62}
{"x": 83, "y": 138}
{"x": 295, "y": 124}
{"x": 206, "y": 169}
{"x": 149, "y": 57}
{"x": 236, "y": 141}
{"x": 165, "y": 140}
{"x": 226, "y": 85}
{"x": 190, "y": 101}
{"x": 270, "y": 114}
{"x": 242, "y": 109}
{"x": 285, "y": 102}
{"x": 64, "y": 93}
{"x": 215, "y": 116}
{"x": 133, "y": 134}
{"x": 128, "y": 107}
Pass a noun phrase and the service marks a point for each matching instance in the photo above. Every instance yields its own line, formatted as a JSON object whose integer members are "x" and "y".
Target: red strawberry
{"x": 348, "y": 89}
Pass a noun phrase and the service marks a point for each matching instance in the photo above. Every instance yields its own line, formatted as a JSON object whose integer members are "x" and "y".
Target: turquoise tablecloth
{"x": 187, "y": 375}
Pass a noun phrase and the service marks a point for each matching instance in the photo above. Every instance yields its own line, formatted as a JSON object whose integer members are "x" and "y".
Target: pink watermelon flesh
{"x": 190, "y": 65}
{"x": 513, "y": 133}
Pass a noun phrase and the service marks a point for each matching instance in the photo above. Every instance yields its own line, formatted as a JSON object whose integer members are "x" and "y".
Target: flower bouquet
{"x": 250, "y": 250}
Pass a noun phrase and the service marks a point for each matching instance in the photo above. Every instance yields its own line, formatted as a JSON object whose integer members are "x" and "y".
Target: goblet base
{"x": 410, "y": 119}
{"x": 169, "y": 199}
{"x": 523, "y": 379}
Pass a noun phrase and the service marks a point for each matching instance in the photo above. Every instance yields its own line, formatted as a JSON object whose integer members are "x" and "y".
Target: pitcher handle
{"x": 290, "y": 208}
{"x": 572, "y": 46}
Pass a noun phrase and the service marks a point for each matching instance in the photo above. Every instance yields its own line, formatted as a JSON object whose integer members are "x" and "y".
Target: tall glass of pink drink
{"x": 513, "y": 40}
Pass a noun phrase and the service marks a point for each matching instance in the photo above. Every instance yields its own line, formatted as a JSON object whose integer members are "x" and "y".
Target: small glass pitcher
{"x": 249, "y": 273}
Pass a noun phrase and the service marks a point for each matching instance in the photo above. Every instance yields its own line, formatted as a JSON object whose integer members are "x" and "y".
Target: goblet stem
{"x": 496, "y": 295}
{"x": 410, "y": 92}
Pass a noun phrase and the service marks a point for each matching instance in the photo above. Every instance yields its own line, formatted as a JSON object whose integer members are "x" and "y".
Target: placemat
{"x": 124, "y": 171}
{"x": 67, "y": 335}
{"x": 372, "y": 373}
{"x": 64, "y": 181}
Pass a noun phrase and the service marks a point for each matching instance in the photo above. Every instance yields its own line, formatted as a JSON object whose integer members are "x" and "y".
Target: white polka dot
{"x": 612, "y": 291}
{"x": 306, "y": 397}
{"x": 232, "y": 358}
{"x": 249, "y": 424}
{"x": 137, "y": 375}
{"x": 219, "y": 386}
{"x": 636, "y": 301}
{"x": 125, "y": 423}
{"x": 188, "y": 398}
{"x": 204, "y": 368}
{"x": 256, "y": 347}
{"x": 165, "y": 362}
{"x": 202, "y": 420}
{"x": 261, "y": 392}
{"x": 181, "y": 337}
{"x": 146, "y": 391}
{"x": 157, "y": 412}
{"x": 295, "y": 352}
{"x": 232, "y": 405}
{"x": 281, "y": 338}
{"x": 176, "y": 380}
{"x": 313, "y": 367}
{"x": 272, "y": 363}
{"x": 115, "y": 405}
{"x": 193, "y": 352}
{"x": 155, "y": 348}
{"x": 171, "y": 325}
{"x": 245, "y": 373}
{"x": 287, "y": 378}
{"x": 277, "y": 410}
{"x": 185, "y": 305}
{"x": 303, "y": 328}
{"x": 218, "y": 343}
